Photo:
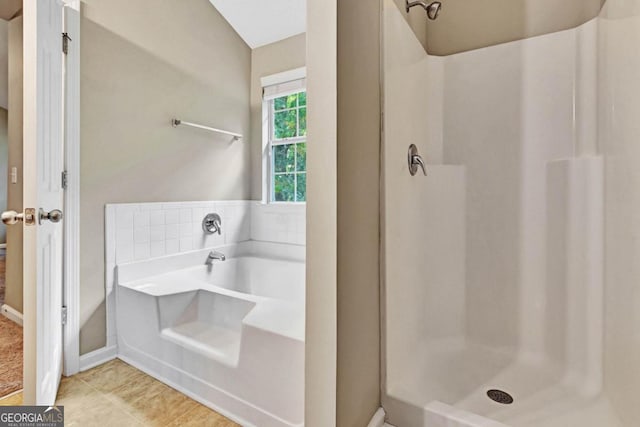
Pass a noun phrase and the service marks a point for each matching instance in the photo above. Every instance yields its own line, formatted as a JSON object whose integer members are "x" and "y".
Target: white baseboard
{"x": 11, "y": 314}
{"x": 378, "y": 419}
{"x": 97, "y": 357}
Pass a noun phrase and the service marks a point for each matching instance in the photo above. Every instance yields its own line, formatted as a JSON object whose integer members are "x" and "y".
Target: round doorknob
{"x": 12, "y": 217}
{"x": 53, "y": 216}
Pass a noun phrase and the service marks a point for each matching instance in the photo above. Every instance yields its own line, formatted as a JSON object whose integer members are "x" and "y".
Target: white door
{"x": 43, "y": 193}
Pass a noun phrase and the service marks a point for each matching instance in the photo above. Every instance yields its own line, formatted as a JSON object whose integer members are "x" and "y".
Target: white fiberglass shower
{"x": 511, "y": 291}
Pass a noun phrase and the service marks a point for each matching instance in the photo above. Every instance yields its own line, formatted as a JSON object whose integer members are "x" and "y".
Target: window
{"x": 288, "y": 147}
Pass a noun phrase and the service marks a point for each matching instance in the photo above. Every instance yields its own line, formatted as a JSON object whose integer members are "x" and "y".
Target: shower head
{"x": 433, "y": 9}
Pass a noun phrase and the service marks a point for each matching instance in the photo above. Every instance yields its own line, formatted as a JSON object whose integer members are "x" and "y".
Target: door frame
{"x": 71, "y": 250}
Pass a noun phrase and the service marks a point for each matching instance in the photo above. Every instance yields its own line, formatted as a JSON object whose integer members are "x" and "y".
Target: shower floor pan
{"x": 446, "y": 384}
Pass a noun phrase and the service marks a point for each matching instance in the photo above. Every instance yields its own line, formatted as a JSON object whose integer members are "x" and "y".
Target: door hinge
{"x": 64, "y": 315}
{"x": 65, "y": 180}
{"x": 65, "y": 42}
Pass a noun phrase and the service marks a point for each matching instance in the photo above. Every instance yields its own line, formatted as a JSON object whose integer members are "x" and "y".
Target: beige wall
{"x": 273, "y": 58}
{"x": 358, "y": 391}
{"x": 13, "y": 296}
{"x": 9, "y": 8}
{"x": 321, "y": 266}
{"x": 465, "y": 25}
{"x": 4, "y": 63}
{"x": 143, "y": 63}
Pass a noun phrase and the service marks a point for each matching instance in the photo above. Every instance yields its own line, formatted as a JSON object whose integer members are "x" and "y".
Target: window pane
{"x": 285, "y": 124}
{"x": 284, "y": 188}
{"x": 280, "y": 103}
{"x": 302, "y": 98}
{"x": 301, "y": 157}
{"x": 292, "y": 100}
{"x": 284, "y": 158}
{"x": 301, "y": 190}
{"x": 302, "y": 114}
{"x": 284, "y": 102}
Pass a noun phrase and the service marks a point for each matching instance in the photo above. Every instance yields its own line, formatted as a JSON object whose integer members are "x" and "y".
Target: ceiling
{"x": 260, "y": 22}
{"x": 8, "y": 8}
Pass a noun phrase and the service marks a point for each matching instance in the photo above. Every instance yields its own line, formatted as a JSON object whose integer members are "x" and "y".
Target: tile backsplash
{"x": 139, "y": 231}
{"x": 281, "y": 223}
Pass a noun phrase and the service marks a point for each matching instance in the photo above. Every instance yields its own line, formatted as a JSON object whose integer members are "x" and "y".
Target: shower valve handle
{"x": 415, "y": 161}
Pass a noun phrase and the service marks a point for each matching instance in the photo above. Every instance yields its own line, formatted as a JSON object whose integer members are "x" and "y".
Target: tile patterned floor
{"x": 116, "y": 394}
{"x": 14, "y": 399}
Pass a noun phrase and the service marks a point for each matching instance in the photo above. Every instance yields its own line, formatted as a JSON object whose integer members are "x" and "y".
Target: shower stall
{"x": 511, "y": 269}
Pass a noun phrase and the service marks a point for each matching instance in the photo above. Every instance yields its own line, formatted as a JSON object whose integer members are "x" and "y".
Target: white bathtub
{"x": 231, "y": 335}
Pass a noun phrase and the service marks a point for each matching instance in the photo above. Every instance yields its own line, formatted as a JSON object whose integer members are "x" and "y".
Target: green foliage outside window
{"x": 289, "y": 157}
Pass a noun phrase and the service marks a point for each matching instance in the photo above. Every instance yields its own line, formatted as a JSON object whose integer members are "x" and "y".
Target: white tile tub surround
{"x": 139, "y": 231}
{"x": 150, "y": 230}
{"x": 279, "y": 223}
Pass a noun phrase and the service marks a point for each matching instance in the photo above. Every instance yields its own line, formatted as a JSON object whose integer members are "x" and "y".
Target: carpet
{"x": 10, "y": 356}
{"x": 2, "y": 275}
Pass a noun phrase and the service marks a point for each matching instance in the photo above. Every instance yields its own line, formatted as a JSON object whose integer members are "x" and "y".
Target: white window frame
{"x": 278, "y": 142}
{"x": 296, "y": 75}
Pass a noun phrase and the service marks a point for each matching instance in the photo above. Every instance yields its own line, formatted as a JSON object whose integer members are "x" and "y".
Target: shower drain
{"x": 500, "y": 397}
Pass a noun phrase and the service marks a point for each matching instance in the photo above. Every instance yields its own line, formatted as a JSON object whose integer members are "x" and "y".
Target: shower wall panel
{"x": 508, "y": 110}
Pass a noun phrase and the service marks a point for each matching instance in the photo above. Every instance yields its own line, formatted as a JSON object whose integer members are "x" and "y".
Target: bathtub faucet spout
{"x": 214, "y": 255}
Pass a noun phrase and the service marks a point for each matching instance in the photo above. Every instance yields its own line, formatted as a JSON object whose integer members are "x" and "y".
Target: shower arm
{"x": 409, "y": 5}
{"x": 432, "y": 8}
